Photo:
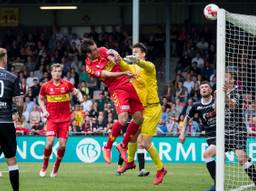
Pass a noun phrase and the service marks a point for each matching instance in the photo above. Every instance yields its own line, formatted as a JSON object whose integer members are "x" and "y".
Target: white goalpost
{"x": 236, "y": 53}
{"x": 220, "y": 101}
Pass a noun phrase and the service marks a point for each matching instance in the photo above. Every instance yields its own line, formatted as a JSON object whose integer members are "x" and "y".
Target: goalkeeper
{"x": 145, "y": 84}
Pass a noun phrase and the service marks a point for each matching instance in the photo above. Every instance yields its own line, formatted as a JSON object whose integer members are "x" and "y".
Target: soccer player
{"x": 235, "y": 129}
{"x": 145, "y": 83}
{"x": 54, "y": 100}
{"x": 206, "y": 111}
{"x": 100, "y": 65}
{"x": 10, "y": 87}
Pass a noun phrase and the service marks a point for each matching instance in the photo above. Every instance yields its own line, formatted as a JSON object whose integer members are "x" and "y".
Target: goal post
{"x": 220, "y": 102}
{"x": 236, "y": 53}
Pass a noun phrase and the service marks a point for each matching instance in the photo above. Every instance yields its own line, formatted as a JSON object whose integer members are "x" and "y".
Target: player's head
{"x": 139, "y": 50}
{"x": 89, "y": 48}
{"x": 205, "y": 89}
{"x": 230, "y": 79}
{"x": 56, "y": 71}
{"x": 3, "y": 57}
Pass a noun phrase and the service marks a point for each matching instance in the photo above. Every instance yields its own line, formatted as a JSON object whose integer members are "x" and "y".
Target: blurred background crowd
{"x": 30, "y": 55}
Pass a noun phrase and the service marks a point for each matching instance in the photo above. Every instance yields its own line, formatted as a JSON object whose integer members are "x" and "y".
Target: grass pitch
{"x": 101, "y": 177}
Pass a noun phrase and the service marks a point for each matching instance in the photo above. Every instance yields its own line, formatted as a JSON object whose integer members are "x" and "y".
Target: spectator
{"x": 198, "y": 60}
{"x": 29, "y": 104}
{"x": 192, "y": 128}
{"x": 87, "y": 104}
{"x": 40, "y": 72}
{"x": 172, "y": 126}
{"x": 34, "y": 117}
{"x": 92, "y": 85}
{"x": 188, "y": 83}
{"x": 30, "y": 79}
{"x": 84, "y": 89}
{"x": 202, "y": 44}
{"x": 35, "y": 88}
{"x": 30, "y": 64}
{"x": 207, "y": 71}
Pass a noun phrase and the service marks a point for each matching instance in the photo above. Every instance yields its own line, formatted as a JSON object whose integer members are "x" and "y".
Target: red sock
{"x": 47, "y": 154}
{"x": 114, "y": 134}
{"x": 130, "y": 132}
{"x": 60, "y": 154}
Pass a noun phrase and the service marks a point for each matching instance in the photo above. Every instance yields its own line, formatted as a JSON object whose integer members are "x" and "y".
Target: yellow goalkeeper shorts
{"x": 152, "y": 115}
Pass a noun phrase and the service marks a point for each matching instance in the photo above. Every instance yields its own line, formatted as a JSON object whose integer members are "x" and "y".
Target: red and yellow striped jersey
{"x": 58, "y": 100}
{"x": 95, "y": 68}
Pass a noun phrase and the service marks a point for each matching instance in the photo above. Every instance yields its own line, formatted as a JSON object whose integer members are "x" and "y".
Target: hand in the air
{"x": 131, "y": 59}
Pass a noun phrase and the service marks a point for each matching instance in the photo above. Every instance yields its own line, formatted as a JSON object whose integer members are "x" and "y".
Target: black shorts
{"x": 8, "y": 141}
{"x": 235, "y": 141}
{"x": 211, "y": 141}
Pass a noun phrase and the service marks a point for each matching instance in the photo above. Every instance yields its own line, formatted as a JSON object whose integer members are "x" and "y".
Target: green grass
{"x": 100, "y": 177}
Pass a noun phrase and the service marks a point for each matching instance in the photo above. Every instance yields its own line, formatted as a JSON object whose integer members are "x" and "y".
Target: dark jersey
{"x": 234, "y": 119}
{"x": 207, "y": 115}
{"x": 10, "y": 86}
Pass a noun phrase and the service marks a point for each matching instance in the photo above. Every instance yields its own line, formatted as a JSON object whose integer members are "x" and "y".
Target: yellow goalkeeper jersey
{"x": 145, "y": 78}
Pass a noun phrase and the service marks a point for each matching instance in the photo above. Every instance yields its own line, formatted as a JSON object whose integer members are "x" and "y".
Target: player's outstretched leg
{"x": 161, "y": 171}
{"x": 132, "y": 147}
{"x": 47, "y": 154}
{"x": 111, "y": 139}
{"x": 247, "y": 164}
{"x": 210, "y": 163}
{"x": 13, "y": 173}
{"x": 60, "y": 155}
{"x": 130, "y": 132}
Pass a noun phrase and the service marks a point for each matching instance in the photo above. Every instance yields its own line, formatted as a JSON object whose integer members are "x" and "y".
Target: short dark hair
{"x": 2, "y": 54}
{"x": 56, "y": 65}
{"x": 206, "y": 82}
{"x": 85, "y": 44}
{"x": 141, "y": 46}
{"x": 233, "y": 75}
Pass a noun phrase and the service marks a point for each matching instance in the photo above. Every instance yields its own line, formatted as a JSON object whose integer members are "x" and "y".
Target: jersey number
{"x": 1, "y": 88}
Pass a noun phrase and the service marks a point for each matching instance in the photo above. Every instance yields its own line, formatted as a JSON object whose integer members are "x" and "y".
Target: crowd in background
{"x": 31, "y": 55}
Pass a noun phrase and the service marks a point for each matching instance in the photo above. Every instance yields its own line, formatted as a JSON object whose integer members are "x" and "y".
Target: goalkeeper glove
{"x": 112, "y": 52}
{"x": 131, "y": 59}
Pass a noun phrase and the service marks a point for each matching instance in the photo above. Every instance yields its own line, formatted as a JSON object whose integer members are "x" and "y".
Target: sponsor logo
{"x": 62, "y": 90}
{"x": 88, "y": 150}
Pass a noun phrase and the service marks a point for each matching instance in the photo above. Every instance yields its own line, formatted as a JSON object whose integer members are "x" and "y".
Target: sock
{"x": 155, "y": 157}
{"x": 60, "y": 154}
{"x": 211, "y": 167}
{"x": 114, "y": 134}
{"x": 141, "y": 159}
{"x": 47, "y": 154}
{"x": 120, "y": 161}
{"x": 250, "y": 170}
{"x": 132, "y": 148}
{"x": 130, "y": 132}
{"x": 14, "y": 177}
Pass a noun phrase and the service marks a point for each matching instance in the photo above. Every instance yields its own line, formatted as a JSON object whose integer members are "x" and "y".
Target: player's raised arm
{"x": 146, "y": 65}
{"x": 78, "y": 94}
{"x": 190, "y": 115}
{"x": 182, "y": 136}
{"x": 108, "y": 74}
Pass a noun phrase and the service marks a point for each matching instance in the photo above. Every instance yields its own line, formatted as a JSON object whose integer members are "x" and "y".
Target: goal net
{"x": 236, "y": 55}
